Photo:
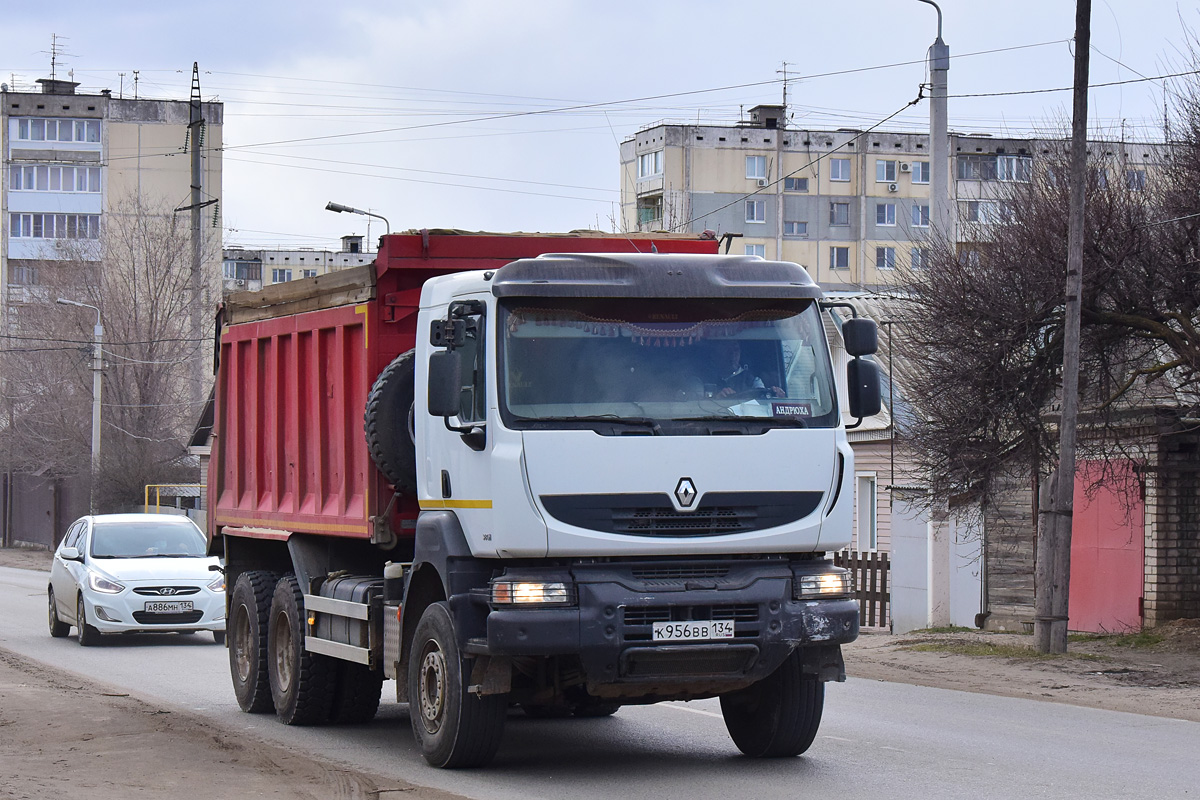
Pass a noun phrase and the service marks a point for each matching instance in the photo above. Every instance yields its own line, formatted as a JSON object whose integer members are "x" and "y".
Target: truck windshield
{"x": 660, "y": 365}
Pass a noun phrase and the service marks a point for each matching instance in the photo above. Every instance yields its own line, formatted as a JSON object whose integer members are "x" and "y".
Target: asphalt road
{"x": 878, "y": 739}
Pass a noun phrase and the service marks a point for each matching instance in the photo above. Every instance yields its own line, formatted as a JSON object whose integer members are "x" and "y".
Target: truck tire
{"x": 249, "y": 611}
{"x": 302, "y": 683}
{"x": 356, "y": 698}
{"x": 778, "y": 716}
{"x": 453, "y": 727}
{"x": 386, "y": 423}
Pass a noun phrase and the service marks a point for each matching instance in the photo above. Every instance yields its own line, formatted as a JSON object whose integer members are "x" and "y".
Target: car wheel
{"x": 249, "y": 610}
{"x": 219, "y": 637}
{"x": 777, "y": 716}
{"x": 302, "y": 683}
{"x": 58, "y": 628}
{"x": 453, "y": 727}
{"x": 88, "y": 635}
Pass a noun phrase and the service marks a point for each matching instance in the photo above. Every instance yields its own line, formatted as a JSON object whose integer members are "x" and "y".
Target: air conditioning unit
{"x": 761, "y": 182}
{"x": 240, "y": 282}
{"x": 893, "y": 187}
{"x": 905, "y": 166}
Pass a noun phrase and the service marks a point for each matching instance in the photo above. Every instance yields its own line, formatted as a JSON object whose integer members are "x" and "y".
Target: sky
{"x": 506, "y": 115}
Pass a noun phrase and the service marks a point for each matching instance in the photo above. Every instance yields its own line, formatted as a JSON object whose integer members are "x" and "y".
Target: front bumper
{"x": 125, "y": 612}
{"x": 611, "y": 628}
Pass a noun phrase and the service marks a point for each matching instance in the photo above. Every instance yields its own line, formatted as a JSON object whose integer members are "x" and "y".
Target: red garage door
{"x": 1107, "y": 551}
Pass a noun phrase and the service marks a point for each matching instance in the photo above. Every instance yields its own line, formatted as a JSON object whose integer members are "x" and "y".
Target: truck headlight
{"x": 835, "y": 583}
{"x": 518, "y": 592}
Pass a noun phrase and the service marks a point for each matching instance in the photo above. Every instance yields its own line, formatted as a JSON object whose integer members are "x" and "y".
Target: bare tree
{"x": 137, "y": 274}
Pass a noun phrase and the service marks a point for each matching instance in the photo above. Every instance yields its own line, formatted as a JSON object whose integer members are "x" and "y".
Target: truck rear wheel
{"x": 302, "y": 683}
{"x": 778, "y": 716}
{"x": 357, "y": 695}
{"x": 249, "y": 611}
{"x": 453, "y": 727}
{"x": 386, "y": 421}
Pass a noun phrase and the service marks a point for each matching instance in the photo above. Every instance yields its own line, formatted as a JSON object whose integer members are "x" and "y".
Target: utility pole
{"x": 1053, "y": 569}
{"x": 939, "y": 163}
{"x": 195, "y": 127}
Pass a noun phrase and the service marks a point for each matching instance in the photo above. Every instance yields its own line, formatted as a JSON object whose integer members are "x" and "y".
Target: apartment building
{"x": 849, "y": 206}
{"x": 252, "y": 269}
{"x": 72, "y": 159}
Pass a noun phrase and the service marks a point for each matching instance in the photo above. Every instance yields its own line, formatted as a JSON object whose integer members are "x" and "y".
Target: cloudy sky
{"x": 506, "y": 115}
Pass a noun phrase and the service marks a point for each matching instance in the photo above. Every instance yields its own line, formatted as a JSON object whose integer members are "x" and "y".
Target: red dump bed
{"x": 297, "y": 360}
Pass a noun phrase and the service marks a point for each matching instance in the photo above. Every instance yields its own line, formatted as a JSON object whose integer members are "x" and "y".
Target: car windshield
{"x": 149, "y": 539}
{"x": 660, "y": 364}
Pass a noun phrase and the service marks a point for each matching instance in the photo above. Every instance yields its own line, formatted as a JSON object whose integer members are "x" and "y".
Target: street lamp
{"x": 339, "y": 208}
{"x": 97, "y": 368}
{"x": 939, "y": 68}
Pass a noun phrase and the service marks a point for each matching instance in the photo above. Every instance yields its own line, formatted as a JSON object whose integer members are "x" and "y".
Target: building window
{"x": 795, "y": 184}
{"x": 868, "y": 524}
{"x": 995, "y": 168}
{"x": 1135, "y": 179}
{"x": 756, "y": 211}
{"x": 919, "y": 258}
{"x": 281, "y": 275}
{"x": 885, "y": 258}
{"x": 54, "y": 226}
{"x": 885, "y": 214}
{"x": 985, "y": 212}
{"x": 759, "y": 250}
{"x": 650, "y": 164}
{"x": 649, "y": 210}
{"x": 308, "y": 273}
{"x": 23, "y": 275}
{"x": 58, "y": 130}
{"x": 839, "y": 169}
{"x": 756, "y": 167}
{"x": 1100, "y": 174}
{"x": 1014, "y": 168}
{"x": 52, "y": 178}
{"x": 839, "y": 258}
{"x": 795, "y": 229}
{"x": 885, "y": 171}
{"x": 920, "y": 172}
{"x": 839, "y": 213}
{"x": 920, "y": 216}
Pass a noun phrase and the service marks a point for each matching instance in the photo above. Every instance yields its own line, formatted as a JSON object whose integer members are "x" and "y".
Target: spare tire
{"x": 386, "y": 422}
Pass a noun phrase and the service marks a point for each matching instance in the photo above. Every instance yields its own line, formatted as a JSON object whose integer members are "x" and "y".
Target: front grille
{"x": 648, "y": 615}
{"x": 185, "y": 618}
{"x": 653, "y": 514}
{"x": 175, "y": 591}
{"x": 669, "y": 522}
{"x": 681, "y": 573}
{"x": 687, "y": 662}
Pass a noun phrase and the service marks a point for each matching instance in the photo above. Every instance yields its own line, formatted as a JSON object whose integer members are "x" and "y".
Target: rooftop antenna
{"x": 121, "y": 95}
{"x": 785, "y": 83}
{"x": 135, "y": 84}
{"x": 56, "y": 51}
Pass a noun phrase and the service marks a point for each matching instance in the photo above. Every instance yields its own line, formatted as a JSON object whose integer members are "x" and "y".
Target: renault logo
{"x": 685, "y": 492}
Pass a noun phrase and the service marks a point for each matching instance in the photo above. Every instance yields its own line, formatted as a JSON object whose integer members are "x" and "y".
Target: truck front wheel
{"x": 778, "y": 716}
{"x": 302, "y": 683}
{"x": 453, "y": 727}
{"x": 249, "y": 610}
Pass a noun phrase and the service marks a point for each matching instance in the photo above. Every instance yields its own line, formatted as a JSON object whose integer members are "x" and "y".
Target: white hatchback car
{"x": 127, "y": 573}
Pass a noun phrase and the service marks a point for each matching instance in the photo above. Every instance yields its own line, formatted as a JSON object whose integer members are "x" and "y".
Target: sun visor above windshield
{"x": 652, "y": 275}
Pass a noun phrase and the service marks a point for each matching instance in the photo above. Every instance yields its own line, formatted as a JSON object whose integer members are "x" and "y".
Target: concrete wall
{"x": 936, "y": 567}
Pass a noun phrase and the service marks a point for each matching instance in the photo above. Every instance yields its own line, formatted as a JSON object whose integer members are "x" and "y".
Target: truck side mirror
{"x": 862, "y": 385}
{"x": 445, "y": 383}
{"x": 861, "y": 336}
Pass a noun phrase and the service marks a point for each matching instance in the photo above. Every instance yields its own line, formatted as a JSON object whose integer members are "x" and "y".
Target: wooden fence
{"x": 871, "y": 572}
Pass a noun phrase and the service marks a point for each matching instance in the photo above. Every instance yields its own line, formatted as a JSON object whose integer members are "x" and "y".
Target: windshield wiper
{"x": 788, "y": 422}
{"x": 640, "y": 422}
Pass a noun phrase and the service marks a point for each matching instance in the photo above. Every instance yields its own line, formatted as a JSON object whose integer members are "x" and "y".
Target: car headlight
{"x": 218, "y": 584}
{"x": 518, "y": 592}
{"x": 835, "y": 583}
{"x": 99, "y": 583}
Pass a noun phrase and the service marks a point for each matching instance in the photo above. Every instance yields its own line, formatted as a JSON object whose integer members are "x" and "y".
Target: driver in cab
{"x": 729, "y": 376}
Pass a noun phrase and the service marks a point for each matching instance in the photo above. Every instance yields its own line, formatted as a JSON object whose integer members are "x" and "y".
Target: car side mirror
{"x": 861, "y": 336}
{"x": 71, "y": 554}
{"x": 445, "y": 383}
{"x": 862, "y": 385}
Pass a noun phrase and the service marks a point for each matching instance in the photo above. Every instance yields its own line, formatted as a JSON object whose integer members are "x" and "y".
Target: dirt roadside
{"x": 59, "y": 733}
